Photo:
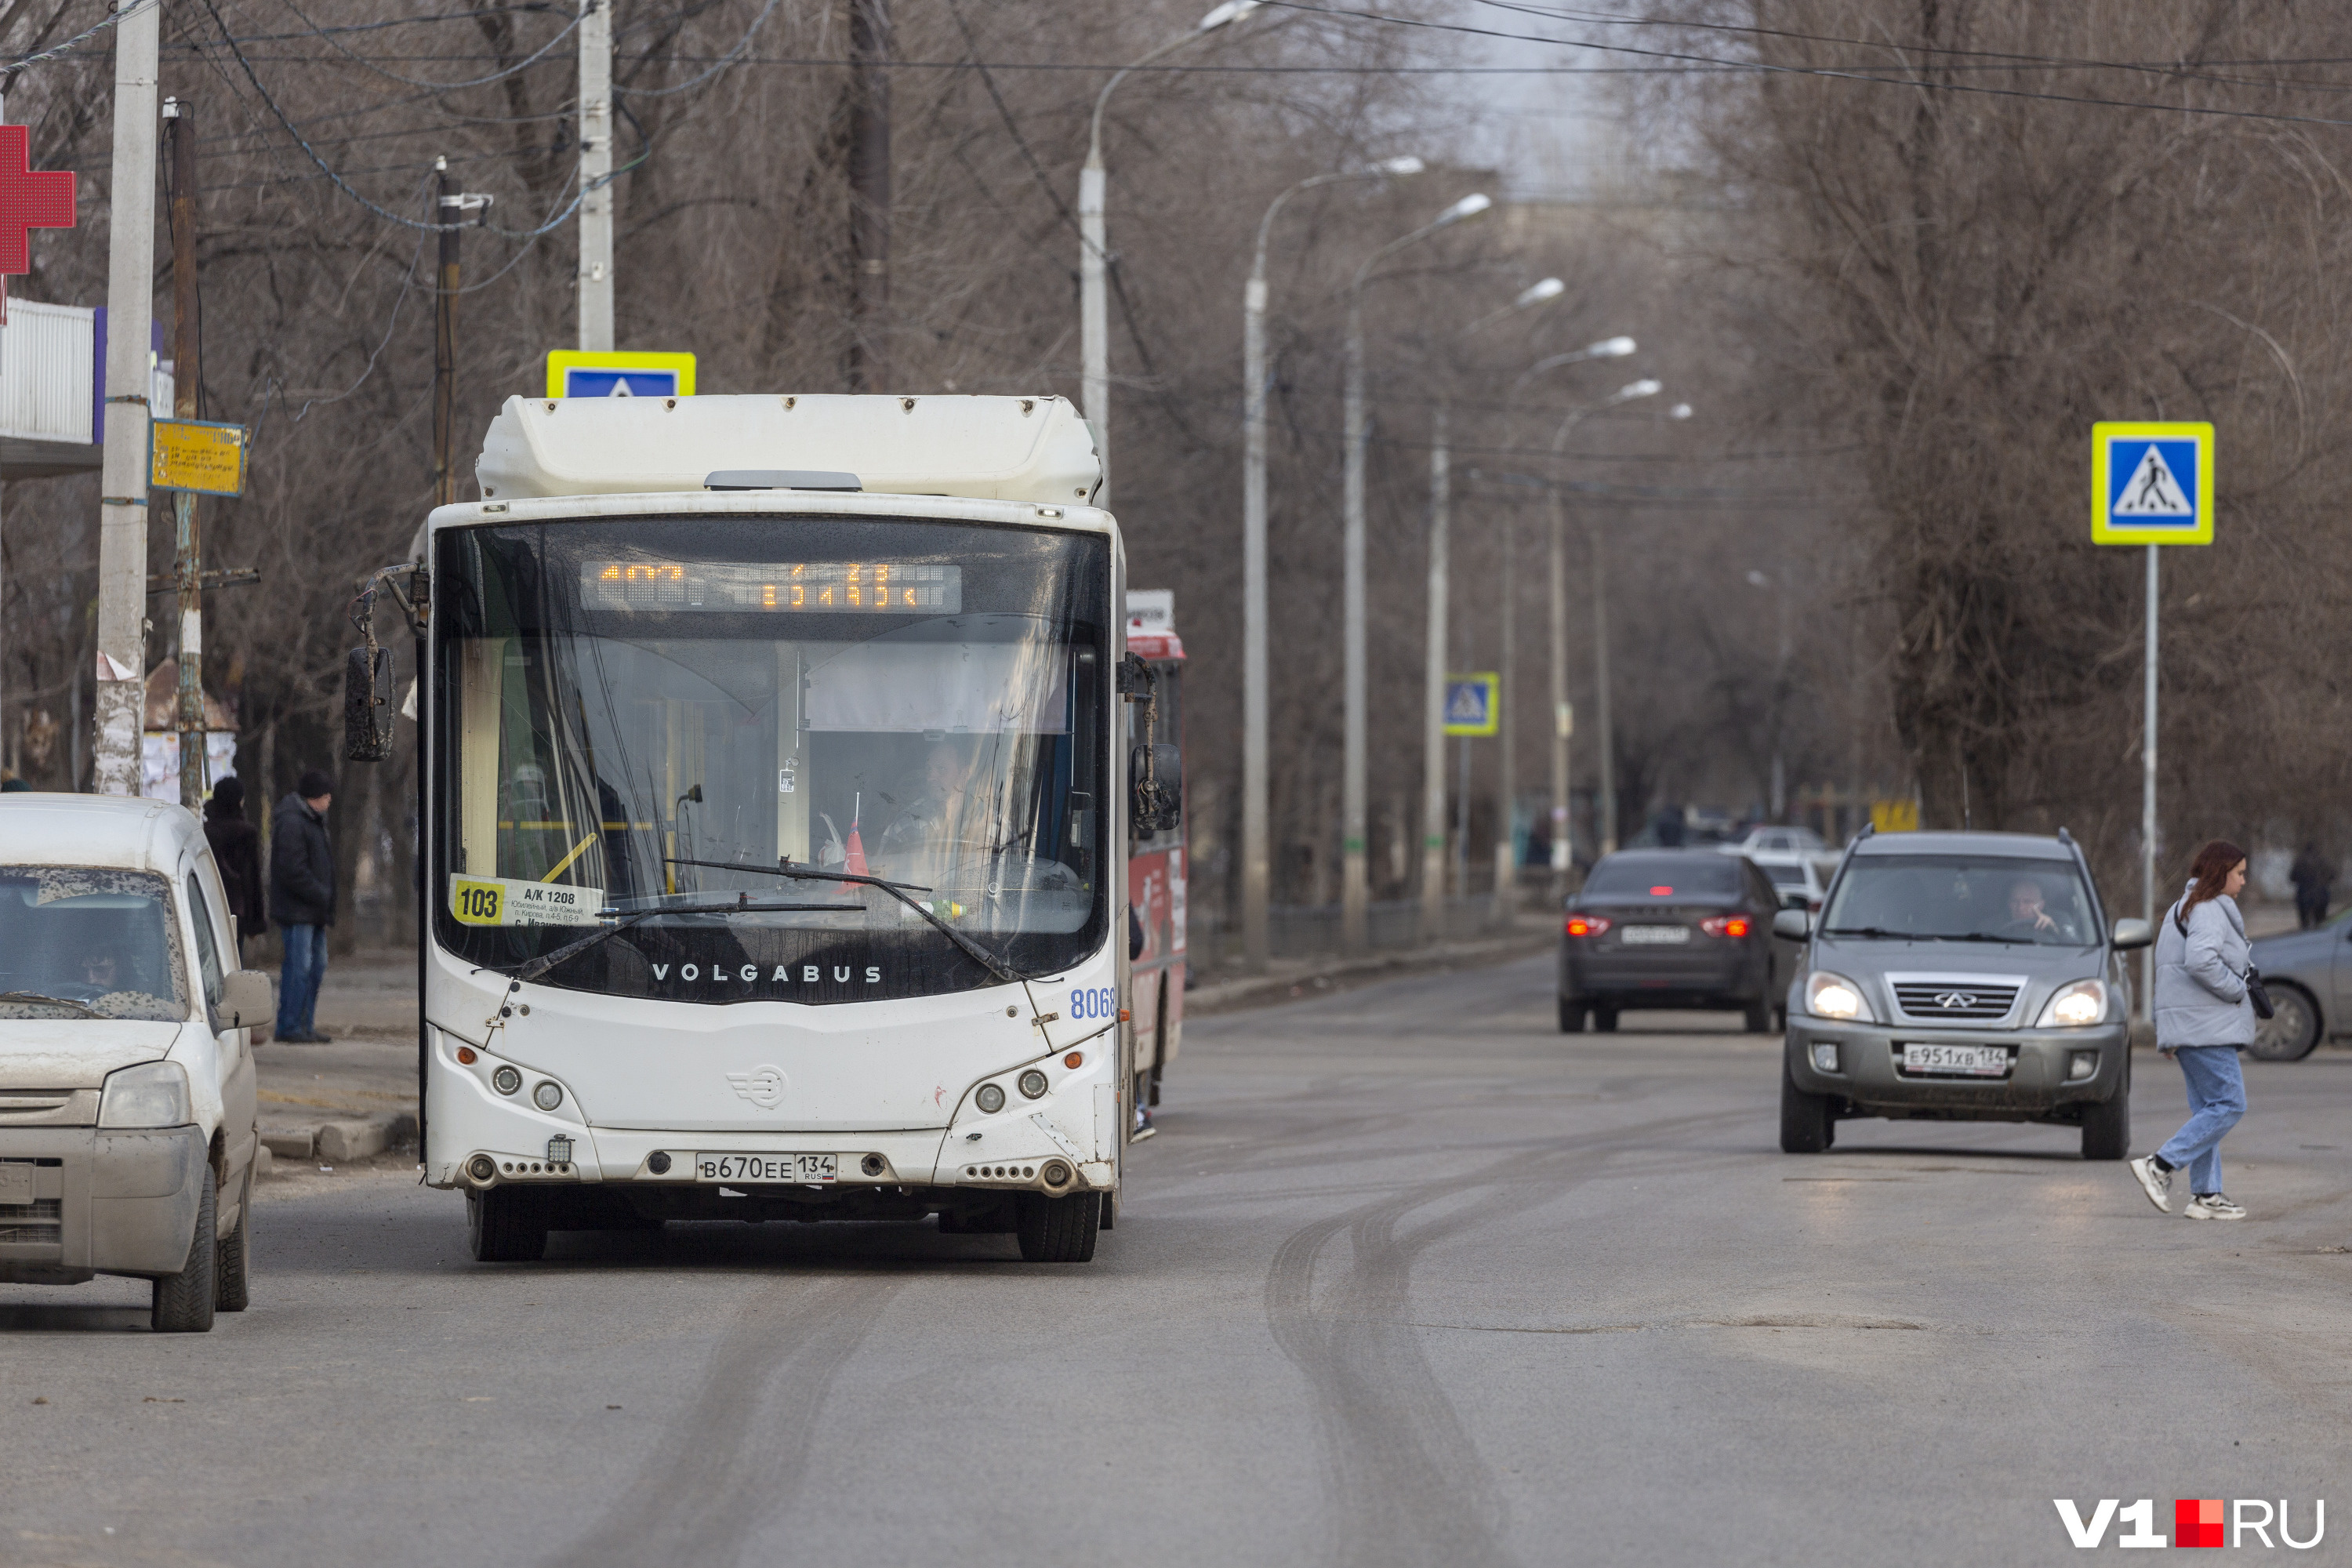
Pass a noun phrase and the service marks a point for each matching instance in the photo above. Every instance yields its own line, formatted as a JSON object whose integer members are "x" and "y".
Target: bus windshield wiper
{"x": 546, "y": 962}
{"x": 86, "y": 1010}
{"x": 898, "y": 890}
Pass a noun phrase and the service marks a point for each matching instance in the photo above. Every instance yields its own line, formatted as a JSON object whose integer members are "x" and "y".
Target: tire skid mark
{"x": 738, "y": 1455}
{"x": 1403, "y": 1481}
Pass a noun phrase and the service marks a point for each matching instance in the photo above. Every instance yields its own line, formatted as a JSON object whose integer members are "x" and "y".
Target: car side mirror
{"x": 1795, "y": 925}
{"x": 367, "y": 704}
{"x": 246, "y": 1004}
{"x": 1155, "y": 778}
{"x": 2132, "y": 933}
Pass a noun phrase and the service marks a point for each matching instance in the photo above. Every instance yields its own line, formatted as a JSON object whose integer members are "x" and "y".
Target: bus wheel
{"x": 1059, "y": 1230}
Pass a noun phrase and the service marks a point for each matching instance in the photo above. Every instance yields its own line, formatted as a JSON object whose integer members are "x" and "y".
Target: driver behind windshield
{"x": 2029, "y": 913}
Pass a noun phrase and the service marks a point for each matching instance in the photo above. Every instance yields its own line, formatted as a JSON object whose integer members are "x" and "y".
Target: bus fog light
{"x": 2081, "y": 1065}
{"x": 548, "y": 1095}
{"x": 1825, "y": 1056}
{"x": 506, "y": 1081}
{"x": 1033, "y": 1084}
{"x": 872, "y": 1165}
{"x": 990, "y": 1099}
{"x": 559, "y": 1150}
{"x": 481, "y": 1167}
{"x": 657, "y": 1163}
{"x": 1056, "y": 1174}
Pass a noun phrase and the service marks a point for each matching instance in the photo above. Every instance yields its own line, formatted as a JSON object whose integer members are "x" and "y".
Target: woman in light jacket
{"x": 2203, "y": 1019}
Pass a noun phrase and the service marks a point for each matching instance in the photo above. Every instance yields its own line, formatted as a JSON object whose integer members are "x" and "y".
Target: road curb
{"x": 340, "y": 1139}
{"x": 1320, "y": 978}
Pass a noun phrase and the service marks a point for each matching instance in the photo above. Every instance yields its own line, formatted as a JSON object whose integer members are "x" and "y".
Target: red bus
{"x": 1155, "y": 865}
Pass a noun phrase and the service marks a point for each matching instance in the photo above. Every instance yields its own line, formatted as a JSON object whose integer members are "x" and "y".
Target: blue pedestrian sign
{"x": 587, "y": 372}
{"x": 2151, "y": 484}
{"x": 1473, "y": 704}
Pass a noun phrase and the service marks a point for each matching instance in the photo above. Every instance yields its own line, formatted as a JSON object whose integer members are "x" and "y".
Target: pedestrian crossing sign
{"x": 2151, "y": 484}
{"x": 585, "y": 372}
{"x": 1473, "y": 703}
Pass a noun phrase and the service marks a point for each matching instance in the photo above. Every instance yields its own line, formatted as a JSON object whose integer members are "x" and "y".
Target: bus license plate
{"x": 1653, "y": 936}
{"x": 1970, "y": 1061}
{"x": 797, "y": 1170}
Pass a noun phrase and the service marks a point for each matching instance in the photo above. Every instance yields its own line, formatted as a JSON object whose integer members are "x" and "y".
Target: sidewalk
{"x": 1285, "y": 979}
{"x": 353, "y": 1100}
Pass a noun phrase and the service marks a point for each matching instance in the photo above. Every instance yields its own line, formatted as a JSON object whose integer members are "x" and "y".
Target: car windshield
{"x": 653, "y": 716}
{"x": 1963, "y": 897}
{"x": 1786, "y": 875}
{"x": 84, "y": 943}
{"x": 1664, "y": 876}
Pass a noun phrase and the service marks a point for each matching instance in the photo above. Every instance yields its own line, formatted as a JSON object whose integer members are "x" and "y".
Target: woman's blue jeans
{"x": 2217, "y": 1098}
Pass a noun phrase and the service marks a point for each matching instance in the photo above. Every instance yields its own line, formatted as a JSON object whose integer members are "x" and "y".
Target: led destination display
{"x": 820, "y": 587}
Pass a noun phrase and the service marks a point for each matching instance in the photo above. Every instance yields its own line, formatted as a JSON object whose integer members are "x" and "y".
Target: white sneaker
{"x": 2155, "y": 1183}
{"x": 2213, "y": 1205}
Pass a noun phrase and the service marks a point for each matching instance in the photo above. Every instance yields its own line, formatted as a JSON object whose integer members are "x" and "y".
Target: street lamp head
{"x": 1610, "y": 348}
{"x": 1535, "y": 294}
{"x": 1643, "y": 388}
{"x": 1469, "y": 206}
{"x": 1758, "y": 580}
{"x": 1407, "y": 164}
{"x": 1679, "y": 410}
{"x": 1229, "y": 11}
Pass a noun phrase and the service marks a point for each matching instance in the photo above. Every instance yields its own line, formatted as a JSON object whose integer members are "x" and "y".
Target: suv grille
{"x": 40, "y": 1223}
{"x": 1954, "y": 1002}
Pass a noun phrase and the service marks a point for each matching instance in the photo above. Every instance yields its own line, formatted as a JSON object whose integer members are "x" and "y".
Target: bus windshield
{"x": 647, "y": 720}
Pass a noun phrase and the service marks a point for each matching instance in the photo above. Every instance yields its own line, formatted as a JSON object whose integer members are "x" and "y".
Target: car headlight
{"x": 153, "y": 1094}
{"x": 2074, "y": 1006}
{"x": 1829, "y": 995}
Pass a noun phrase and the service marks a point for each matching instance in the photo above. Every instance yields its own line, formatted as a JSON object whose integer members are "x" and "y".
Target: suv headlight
{"x": 2075, "y": 1006}
{"x": 1830, "y": 995}
{"x": 153, "y": 1094}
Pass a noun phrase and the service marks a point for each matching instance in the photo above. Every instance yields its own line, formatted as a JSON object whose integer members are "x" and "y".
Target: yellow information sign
{"x": 197, "y": 455}
{"x": 1895, "y": 816}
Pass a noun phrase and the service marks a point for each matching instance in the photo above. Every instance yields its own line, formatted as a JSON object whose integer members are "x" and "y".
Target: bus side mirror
{"x": 1155, "y": 778}
{"x": 367, "y": 705}
{"x": 1794, "y": 925}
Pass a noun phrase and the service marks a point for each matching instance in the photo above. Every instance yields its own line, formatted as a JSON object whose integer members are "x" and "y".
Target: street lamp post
{"x": 1505, "y": 871}
{"x": 1094, "y": 388}
{"x": 1256, "y": 869}
{"x": 1353, "y": 868}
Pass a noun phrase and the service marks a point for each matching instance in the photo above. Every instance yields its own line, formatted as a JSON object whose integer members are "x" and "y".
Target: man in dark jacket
{"x": 237, "y": 851}
{"x": 2312, "y": 877}
{"x": 302, "y": 901}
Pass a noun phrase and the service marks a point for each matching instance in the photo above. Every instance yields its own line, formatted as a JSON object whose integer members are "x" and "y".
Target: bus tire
{"x": 1059, "y": 1230}
{"x": 504, "y": 1225}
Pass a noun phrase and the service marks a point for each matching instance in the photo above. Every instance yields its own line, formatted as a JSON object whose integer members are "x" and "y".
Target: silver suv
{"x": 1960, "y": 977}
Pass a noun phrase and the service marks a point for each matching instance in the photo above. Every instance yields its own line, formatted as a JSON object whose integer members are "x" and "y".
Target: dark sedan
{"x": 1670, "y": 928}
{"x": 2309, "y": 976}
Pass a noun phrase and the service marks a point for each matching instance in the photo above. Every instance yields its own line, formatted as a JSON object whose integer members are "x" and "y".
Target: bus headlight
{"x": 506, "y": 1081}
{"x": 990, "y": 1099}
{"x": 1829, "y": 995}
{"x": 1033, "y": 1084}
{"x": 548, "y": 1095}
{"x": 2075, "y": 1006}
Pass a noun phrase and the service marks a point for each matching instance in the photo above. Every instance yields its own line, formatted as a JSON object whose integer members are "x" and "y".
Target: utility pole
{"x": 1352, "y": 867}
{"x": 1433, "y": 717}
{"x": 870, "y": 195}
{"x": 187, "y": 560}
{"x": 595, "y": 281}
{"x": 1607, "y": 748}
{"x": 1256, "y": 866}
{"x": 1507, "y": 868}
{"x": 122, "y": 491}
{"x": 1563, "y": 722}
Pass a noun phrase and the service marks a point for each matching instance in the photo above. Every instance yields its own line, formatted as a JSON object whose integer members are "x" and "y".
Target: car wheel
{"x": 2106, "y": 1127}
{"x": 2292, "y": 1031}
{"x": 1779, "y": 1020}
{"x": 1059, "y": 1230}
{"x": 504, "y": 1225}
{"x": 1759, "y": 1019}
{"x": 1805, "y": 1124}
{"x": 1571, "y": 1017}
{"x": 234, "y": 1263}
{"x": 1604, "y": 1019}
{"x": 182, "y": 1303}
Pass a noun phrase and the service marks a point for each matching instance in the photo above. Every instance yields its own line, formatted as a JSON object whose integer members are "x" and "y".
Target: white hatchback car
{"x": 127, "y": 1093}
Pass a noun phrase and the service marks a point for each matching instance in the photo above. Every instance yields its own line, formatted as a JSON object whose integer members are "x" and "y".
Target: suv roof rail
{"x": 1867, "y": 829}
{"x": 2064, "y": 836}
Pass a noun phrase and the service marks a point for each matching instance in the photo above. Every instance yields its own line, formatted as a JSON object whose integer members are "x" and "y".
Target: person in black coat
{"x": 2312, "y": 877}
{"x": 302, "y": 901}
{"x": 237, "y": 851}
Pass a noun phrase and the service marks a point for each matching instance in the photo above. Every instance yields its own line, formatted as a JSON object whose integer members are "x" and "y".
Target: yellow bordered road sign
{"x": 1473, "y": 703}
{"x": 2151, "y": 484}
{"x": 611, "y": 372}
{"x": 196, "y": 455}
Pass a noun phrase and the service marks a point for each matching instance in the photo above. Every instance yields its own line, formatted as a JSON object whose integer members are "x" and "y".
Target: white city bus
{"x": 774, "y": 844}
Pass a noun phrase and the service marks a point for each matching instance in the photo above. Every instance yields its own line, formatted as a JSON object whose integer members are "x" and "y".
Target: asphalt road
{"x": 1407, "y": 1279}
